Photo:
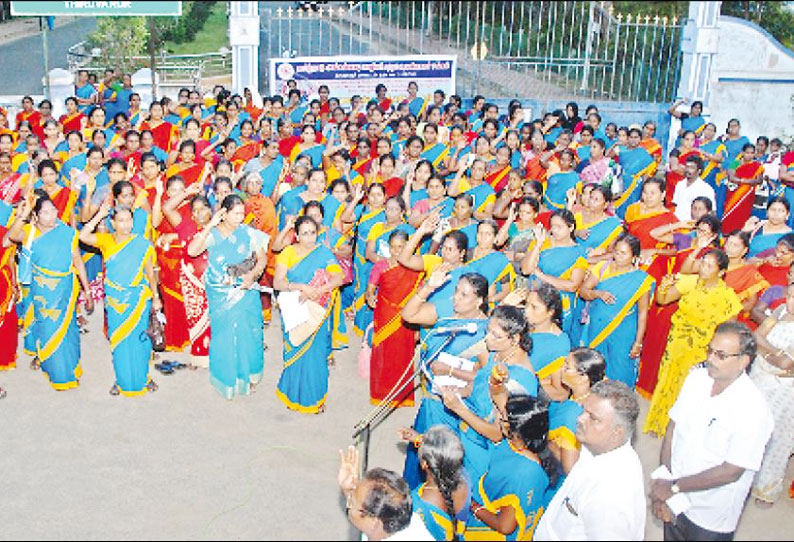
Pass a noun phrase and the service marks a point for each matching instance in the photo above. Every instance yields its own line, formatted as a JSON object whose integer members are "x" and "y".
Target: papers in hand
{"x": 455, "y": 362}
{"x": 293, "y": 311}
{"x": 678, "y": 503}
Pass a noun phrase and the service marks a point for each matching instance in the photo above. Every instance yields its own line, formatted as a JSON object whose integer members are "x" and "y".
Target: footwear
{"x": 2, "y": 393}
{"x": 35, "y": 364}
{"x": 152, "y": 386}
{"x": 115, "y": 390}
{"x": 164, "y": 368}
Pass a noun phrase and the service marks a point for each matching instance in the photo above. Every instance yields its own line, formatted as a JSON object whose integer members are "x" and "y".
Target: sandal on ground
{"x": 320, "y": 409}
{"x": 761, "y": 503}
{"x": 152, "y": 386}
{"x": 115, "y": 390}
{"x": 2, "y": 393}
{"x": 35, "y": 364}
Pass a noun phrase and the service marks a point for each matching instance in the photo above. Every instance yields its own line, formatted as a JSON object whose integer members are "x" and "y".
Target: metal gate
{"x": 530, "y": 49}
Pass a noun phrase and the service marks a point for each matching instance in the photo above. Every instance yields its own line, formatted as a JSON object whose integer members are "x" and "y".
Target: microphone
{"x": 470, "y": 328}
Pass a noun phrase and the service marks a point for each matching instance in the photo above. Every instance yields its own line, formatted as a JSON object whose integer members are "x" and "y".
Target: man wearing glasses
{"x": 714, "y": 444}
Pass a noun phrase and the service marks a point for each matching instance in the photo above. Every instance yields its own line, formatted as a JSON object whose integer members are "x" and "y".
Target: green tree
{"x": 120, "y": 38}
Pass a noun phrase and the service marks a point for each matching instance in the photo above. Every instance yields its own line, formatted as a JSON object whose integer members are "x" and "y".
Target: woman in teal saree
{"x": 236, "y": 343}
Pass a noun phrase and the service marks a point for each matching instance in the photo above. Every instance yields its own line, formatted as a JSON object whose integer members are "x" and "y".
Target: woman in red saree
{"x": 645, "y": 215}
{"x": 249, "y": 146}
{"x": 775, "y": 268}
{"x": 72, "y": 121}
{"x": 170, "y": 251}
{"x": 187, "y": 168}
{"x": 191, "y": 276}
{"x": 392, "y": 340}
{"x": 707, "y": 232}
{"x": 63, "y": 198}
{"x": 649, "y": 143}
{"x": 164, "y": 133}
{"x": 9, "y": 333}
{"x": 497, "y": 175}
{"x": 11, "y": 183}
{"x": 678, "y": 158}
{"x": 741, "y": 184}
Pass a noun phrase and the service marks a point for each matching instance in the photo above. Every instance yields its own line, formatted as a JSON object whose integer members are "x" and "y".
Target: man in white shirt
{"x": 715, "y": 441}
{"x": 690, "y": 188}
{"x": 379, "y": 504}
{"x": 603, "y": 497}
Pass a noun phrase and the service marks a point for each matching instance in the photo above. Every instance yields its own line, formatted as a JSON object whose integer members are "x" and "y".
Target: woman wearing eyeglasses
{"x": 704, "y": 301}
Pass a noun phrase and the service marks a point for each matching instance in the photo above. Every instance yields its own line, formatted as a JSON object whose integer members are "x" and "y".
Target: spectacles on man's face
{"x": 720, "y": 354}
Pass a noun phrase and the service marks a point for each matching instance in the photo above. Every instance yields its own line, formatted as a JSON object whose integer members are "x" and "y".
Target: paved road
{"x": 22, "y": 62}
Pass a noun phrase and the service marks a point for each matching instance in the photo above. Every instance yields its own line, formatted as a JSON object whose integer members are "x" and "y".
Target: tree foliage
{"x": 120, "y": 38}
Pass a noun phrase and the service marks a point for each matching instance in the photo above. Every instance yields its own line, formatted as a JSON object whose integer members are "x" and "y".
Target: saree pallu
{"x": 477, "y": 448}
{"x": 548, "y": 353}
{"x": 659, "y": 321}
{"x": 746, "y": 281}
{"x": 602, "y": 233}
{"x": 498, "y": 179}
{"x": 431, "y": 410}
{"x": 560, "y": 262}
{"x": 169, "y": 261}
{"x": 612, "y": 329}
{"x": 437, "y": 521}
{"x": 495, "y": 267}
{"x": 53, "y": 294}
{"x": 435, "y": 154}
{"x": 71, "y": 123}
{"x": 763, "y": 244}
{"x": 557, "y": 187}
{"x": 244, "y": 153}
{"x": 513, "y": 480}
{"x": 65, "y": 200}
{"x": 361, "y": 266}
{"x": 163, "y": 134}
{"x": 534, "y": 171}
{"x": 303, "y": 385}
{"x": 380, "y": 235}
{"x": 9, "y": 332}
{"x": 197, "y": 313}
{"x": 393, "y": 341}
{"x": 128, "y": 301}
{"x": 739, "y": 202}
{"x": 637, "y": 164}
{"x": 654, "y": 149}
{"x": 190, "y": 174}
{"x": 712, "y": 173}
{"x": 483, "y": 195}
{"x": 270, "y": 176}
{"x": 236, "y": 349}
{"x": 699, "y": 312}
{"x": 640, "y": 226}
{"x": 314, "y": 153}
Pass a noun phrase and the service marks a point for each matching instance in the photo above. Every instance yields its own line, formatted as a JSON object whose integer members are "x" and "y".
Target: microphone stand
{"x": 363, "y": 429}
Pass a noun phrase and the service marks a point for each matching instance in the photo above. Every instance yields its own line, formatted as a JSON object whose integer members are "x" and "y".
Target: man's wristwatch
{"x": 674, "y": 488}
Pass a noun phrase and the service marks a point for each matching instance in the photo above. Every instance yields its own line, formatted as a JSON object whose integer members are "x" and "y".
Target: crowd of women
{"x": 504, "y": 256}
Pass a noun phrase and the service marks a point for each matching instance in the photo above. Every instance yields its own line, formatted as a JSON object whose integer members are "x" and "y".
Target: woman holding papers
{"x": 467, "y": 306}
{"x": 237, "y": 255}
{"x": 312, "y": 271}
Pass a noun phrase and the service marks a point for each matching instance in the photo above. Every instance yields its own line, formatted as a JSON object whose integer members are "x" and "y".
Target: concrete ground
{"x": 184, "y": 463}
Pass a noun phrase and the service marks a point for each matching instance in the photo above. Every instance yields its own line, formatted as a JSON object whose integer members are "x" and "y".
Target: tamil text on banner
{"x": 347, "y": 76}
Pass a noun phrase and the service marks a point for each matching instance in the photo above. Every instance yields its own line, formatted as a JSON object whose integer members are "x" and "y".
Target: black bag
{"x": 156, "y": 330}
{"x": 235, "y": 272}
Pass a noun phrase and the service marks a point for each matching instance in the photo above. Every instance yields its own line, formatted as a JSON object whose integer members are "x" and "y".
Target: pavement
{"x": 21, "y": 51}
{"x": 184, "y": 463}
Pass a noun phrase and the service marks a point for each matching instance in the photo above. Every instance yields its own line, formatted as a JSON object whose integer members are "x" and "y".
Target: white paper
{"x": 455, "y": 362}
{"x": 293, "y": 312}
{"x": 678, "y": 503}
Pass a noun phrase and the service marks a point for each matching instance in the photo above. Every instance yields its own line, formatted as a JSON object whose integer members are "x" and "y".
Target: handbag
{"x": 156, "y": 330}
{"x": 235, "y": 272}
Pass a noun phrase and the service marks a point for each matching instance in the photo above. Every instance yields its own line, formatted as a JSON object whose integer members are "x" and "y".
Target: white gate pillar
{"x": 698, "y": 51}
{"x": 244, "y": 39}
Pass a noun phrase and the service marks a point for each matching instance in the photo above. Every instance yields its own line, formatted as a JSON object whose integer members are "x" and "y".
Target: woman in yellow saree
{"x": 130, "y": 294}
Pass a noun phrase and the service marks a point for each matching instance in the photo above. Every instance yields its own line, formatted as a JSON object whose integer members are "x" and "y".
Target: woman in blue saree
{"x": 314, "y": 271}
{"x": 637, "y": 164}
{"x": 766, "y": 234}
{"x": 558, "y": 260}
{"x": 595, "y": 229}
{"x": 363, "y": 217}
{"x": 618, "y": 310}
{"x": 236, "y": 344}
{"x": 308, "y": 147}
{"x": 482, "y": 194}
{"x": 558, "y": 184}
{"x": 461, "y": 220}
{"x": 490, "y": 263}
{"x": 509, "y": 497}
{"x": 468, "y": 305}
{"x": 56, "y": 266}
{"x": 714, "y": 153}
{"x": 130, "y": 294}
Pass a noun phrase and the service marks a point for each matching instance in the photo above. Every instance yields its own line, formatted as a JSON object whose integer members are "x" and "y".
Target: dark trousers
{"x": 684, "y": 529}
